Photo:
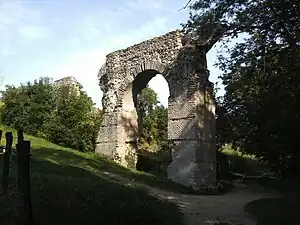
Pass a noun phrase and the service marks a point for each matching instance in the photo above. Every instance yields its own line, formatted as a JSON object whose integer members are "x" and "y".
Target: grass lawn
{"x": 70, "y": 187}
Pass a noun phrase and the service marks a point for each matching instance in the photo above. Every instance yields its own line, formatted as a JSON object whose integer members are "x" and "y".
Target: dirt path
{"x": 210, "y": 209}
{"x": 205, "y": 210}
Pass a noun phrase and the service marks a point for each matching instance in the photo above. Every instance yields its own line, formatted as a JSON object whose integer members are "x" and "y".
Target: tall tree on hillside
{"x": 28, "y": 105}
{"x": 260, "y": 110}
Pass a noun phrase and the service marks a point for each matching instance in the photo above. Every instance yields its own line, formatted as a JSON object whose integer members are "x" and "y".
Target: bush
{"x": 63, "y": 114}
{"x": 27, "y": 106}
{"x": 73, "y": 122}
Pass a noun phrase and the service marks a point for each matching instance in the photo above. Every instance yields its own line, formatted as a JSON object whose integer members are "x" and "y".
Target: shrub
{"x": 63, "y": 114}
{"x": 27, "y": 106}
{"x": 74, "y": 121}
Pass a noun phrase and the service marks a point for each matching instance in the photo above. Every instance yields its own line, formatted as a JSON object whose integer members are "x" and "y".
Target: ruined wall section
{"x": 117, "y": 130}
{"x": 122, "y": 66}
{"x": 191, "y": 121}
{"x": 191, "y": 116}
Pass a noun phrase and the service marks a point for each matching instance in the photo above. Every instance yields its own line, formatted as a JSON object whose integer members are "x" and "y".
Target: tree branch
{"x": 185, "y": 5}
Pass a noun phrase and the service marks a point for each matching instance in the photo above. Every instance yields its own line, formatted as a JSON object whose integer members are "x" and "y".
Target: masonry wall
{"x": 190, "y": 109}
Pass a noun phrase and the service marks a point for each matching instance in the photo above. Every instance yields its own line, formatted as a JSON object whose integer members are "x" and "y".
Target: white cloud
{"x": 84, "y": 66}
{"x": 146, "y": 5}
{"x": 5, "y": 46}
{"x": 148, "y": 30}
{"x": 10, "y": 13}
{"x": 19, "y": 22}
{"x": 33, "y": 32}
{"x": 94, "y": 26}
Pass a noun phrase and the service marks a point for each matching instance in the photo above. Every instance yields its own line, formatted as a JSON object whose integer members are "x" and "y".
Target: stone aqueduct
{"x": 191, "y": 107}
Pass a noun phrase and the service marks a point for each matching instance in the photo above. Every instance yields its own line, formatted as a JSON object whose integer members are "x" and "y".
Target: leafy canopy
{"x": 61, "y": 113}
{"x": 260, "y": 111}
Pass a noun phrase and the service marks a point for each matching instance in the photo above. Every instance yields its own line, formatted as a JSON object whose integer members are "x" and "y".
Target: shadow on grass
{"x": 276, "y": 211}
{"x": 283, "y": 210}
{"x": 107, "y": 168}
{"x": 67, "y": 194}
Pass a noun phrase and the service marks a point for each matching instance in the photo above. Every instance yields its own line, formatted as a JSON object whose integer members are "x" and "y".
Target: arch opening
{"x": 145, "y": 108}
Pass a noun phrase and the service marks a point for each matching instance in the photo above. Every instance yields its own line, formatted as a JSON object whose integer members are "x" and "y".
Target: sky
{"x": 59, "y": 38}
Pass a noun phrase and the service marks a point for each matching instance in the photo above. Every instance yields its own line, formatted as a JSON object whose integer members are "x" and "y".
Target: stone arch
{"x": 155, "y": 66}
{"x": 191, "y": 121}
{"x": 130, "y": 122}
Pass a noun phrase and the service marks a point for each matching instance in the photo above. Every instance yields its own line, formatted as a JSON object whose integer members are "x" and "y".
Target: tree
{"x": 74, "y": 121}
{"x": 153, "y": 121}
{"x": 63, "y": 114}
{"x": 27, "y": 106}
{"x": 260, "y": 110}
{"x": 147, "y": 100}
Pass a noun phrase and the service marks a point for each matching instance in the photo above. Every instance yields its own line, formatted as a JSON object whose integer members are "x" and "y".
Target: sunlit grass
{"x": 72, "y": 187}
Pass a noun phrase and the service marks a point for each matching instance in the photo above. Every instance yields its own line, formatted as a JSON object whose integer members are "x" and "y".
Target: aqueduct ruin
{"x": 181, "y": 59}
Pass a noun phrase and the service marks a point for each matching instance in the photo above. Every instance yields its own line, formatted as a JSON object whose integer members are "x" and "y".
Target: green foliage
{"x": 72, "y": 187}
{"x": 147, "y": 100}
{"x": 61, "y": 114}
{"x": 154, "y": 150}
{"x": 260, "y": 112}
{"x": 72, "y": 123}
{"x": 2, "y": 107}
{"x": 27, "y": 106}
{"x": 153, "y": 121}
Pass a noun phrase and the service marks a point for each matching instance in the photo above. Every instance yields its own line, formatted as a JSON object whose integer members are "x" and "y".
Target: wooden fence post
{"x": 1, "y": 132}
{"x": 6, "y": 160}
{"x": 1, "y": 147}
{"x": 23, "y": 160}
{"x": 20, "y": 141}
{"x": 20, "y": 136}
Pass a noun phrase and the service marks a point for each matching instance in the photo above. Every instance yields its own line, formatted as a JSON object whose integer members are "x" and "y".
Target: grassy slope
{"x": 69, "y": 187}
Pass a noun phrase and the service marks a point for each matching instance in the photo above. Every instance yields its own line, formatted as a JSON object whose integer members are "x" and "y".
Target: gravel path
{"x": 211, "y": 209}
{"x": 208, "y": 209}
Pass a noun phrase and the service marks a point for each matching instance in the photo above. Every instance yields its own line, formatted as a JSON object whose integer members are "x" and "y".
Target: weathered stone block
{"x": 181, "y": 129}
{"x": 129, "y": 127}
{"x": 205, "y": 123}
{"x": 205, "y": 174}
{"x": 180, "y": 109}
{"x": 131, "y": 135}
{"x": 182, "y": 173}
{"x": 106, "y": 148}
{"x": 184, "y": 149}
{"x": 183, "y": 167}
{"x": 206, "y": 151}
{"x": 110, "y": 119}
{"x": 193, "y": 163}
{"x": 107, "y": 134}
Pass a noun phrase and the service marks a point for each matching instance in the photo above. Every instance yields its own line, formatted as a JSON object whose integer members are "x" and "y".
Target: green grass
{"x": 70, "y": 187}
{"x": 243, "y": 164}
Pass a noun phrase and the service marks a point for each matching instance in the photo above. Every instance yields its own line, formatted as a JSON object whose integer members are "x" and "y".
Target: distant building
{"x": 68, "y": 81}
